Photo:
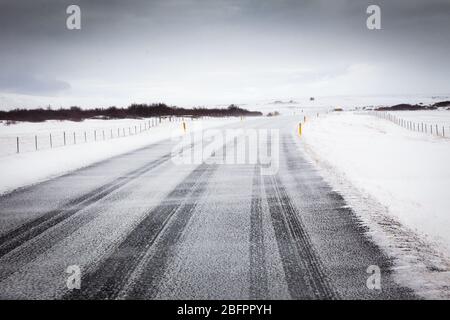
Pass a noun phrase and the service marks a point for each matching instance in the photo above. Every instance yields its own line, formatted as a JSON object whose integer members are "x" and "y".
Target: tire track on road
{"x": 163, "y": 251}
{"x": 351, "y": 238}
{"x": 15, "y": 238}
{"x": 160, "y": 231}
{"x": 305, "y": 275}
{"x": 258, "y": 270}
{"x": 32, "y": 229}
{"x": 39, "y": 235}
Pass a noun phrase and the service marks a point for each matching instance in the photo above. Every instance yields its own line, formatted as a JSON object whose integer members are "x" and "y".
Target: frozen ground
{"x": 404, "y": 178}
{"x": 18, "y": 170}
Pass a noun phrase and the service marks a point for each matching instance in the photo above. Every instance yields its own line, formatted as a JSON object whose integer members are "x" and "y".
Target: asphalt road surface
{"x": 141, "y": 226}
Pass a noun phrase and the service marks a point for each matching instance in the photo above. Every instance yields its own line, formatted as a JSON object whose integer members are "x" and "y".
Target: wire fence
{"x": 427, "y": 128}
{"x": 43, "y": 141}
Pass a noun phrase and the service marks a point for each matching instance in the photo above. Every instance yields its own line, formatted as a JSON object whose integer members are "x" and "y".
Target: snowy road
{"x": 143, "y": 227}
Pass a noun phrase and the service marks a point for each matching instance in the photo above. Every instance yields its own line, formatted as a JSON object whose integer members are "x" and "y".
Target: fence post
{"x": 95, "y": 135}
{"x": 74, "y": 138}
{"x": 35, "y": 142}
{"x": 51, "y": 142}
{"x": 17, "y": 143}
{"x": 118, "y": 132}
{"x": 111, "y": 134}
{"x": 64, "y": 133}
{"x": 85, "y": 137}
{"x": 437, "y": 132}
{"x": 103, "y": 132}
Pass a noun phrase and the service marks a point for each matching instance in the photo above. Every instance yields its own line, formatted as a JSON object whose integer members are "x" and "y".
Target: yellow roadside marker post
{"x": 300, "y": 129}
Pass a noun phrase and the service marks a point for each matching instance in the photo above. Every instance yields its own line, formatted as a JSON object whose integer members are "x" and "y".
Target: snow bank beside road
{"x": 407, "y": 173}
{"x": 19, "y": 170}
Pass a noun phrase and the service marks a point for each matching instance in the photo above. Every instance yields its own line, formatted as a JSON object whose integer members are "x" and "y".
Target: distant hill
{"x": 133, "y": 111}
{"x": 442, "y": 104}
{"x": 413, "y": 107}
{"x": 406, "y": 107}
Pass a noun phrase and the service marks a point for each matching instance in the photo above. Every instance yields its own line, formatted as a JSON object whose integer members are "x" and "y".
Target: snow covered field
{"x": 18, "y": 170}
{"x": 53, "y": 134}
{"x": 440, "y": 117}
{"x": 294, "y": 105}
{"x": 406, "y": 174}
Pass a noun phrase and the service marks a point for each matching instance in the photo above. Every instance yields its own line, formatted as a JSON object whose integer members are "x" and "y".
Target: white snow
{"x": 407, "y": 174}
{"x": 295, "y": 105}
{"x": 439, "y": 117}
{"x": 90, "y": 130}
{"x": 27, "y": 168}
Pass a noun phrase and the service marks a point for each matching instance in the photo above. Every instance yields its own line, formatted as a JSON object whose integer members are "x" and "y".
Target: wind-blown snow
{"x": 23, "y": 169}
{"x": 407, "y": 173}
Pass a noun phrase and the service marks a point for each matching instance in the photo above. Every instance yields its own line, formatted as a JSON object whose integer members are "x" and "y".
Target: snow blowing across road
{"x": 19, "y": 170}
{"x": 405, "y": 174}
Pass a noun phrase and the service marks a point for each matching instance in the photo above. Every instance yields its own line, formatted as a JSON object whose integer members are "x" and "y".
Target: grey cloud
{"x": 136, "y": 43}
{"x": 21, "y": 83}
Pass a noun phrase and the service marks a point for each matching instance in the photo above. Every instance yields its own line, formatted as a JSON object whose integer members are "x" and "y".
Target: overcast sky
{"x": 192, "y": 52}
